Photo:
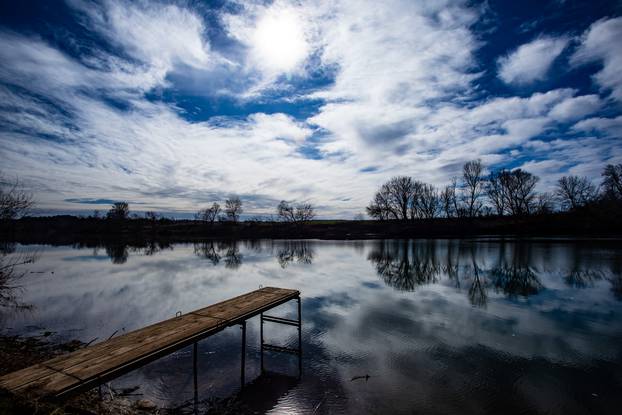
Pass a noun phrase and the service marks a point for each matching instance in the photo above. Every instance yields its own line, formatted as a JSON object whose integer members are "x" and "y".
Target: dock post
{"x": 299, "y": 338}
{"x": 196, "y": 382}
{"x": 261, "y": 340}
{"x": 243, "y": 359}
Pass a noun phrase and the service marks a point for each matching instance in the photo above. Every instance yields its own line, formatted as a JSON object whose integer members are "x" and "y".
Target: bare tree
{"x": 119, "y": 211}
{"x": 473, "y": 186}
{"x": 305, "y": 212}
{"x": 495, "y": 190}
{"x": 233, "y": 208}
{"x": 612, "y": 181}
{"x": 512, "y": 192}
{"x": 425, "y": 201}
{"x": 11, "y": 270}
{"x": 545, "y": 202}
{"x": 299, "y": 214}
{"x": 400, "y": 190}
{"x": 285, "y": 212}
{"x": 574, "y": 192}
{"x": 393, "y": 200}
{"x": 521, "y": 192}
{"x": 403, "y": 198}
{"x": 449, "y": 201}
{"x": 209, "y": 214}
{"x": 380, "y": 208}
{"x": 414, "y": 206}
{"x": 15, "y": 201}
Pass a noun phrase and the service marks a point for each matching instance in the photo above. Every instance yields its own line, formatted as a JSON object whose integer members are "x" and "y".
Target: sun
{"x": 279, "y": 42}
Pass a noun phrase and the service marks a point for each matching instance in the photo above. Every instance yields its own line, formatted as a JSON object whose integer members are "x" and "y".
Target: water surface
{"x": 440, "y": 326}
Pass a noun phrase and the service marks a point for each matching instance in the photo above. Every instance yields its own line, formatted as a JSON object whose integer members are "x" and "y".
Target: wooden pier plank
{"x": 113, "y": 357}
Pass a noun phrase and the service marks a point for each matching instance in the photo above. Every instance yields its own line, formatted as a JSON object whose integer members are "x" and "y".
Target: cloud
{"x": 149, "y": 153}
{"x": 601, "y": 42}
{"x": 399, "y": 98}
{"x": 158, "y": 34}
{"x": 576, "y": 107}
{"x": 97, "y": 201}
{"x": 388, "y": 74}
{"x": 609, "y": 126}
{"x": 531, "y": 62}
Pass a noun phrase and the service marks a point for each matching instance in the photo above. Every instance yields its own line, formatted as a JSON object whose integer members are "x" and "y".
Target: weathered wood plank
{"x": 92, "y": 365}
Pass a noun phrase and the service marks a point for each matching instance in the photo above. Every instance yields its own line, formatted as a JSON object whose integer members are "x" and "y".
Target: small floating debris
{"x": 366, "y": 377}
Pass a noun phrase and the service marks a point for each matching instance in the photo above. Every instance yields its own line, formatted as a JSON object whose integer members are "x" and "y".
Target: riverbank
{"x": 72, "y": 229}
{"x": 17, "y": 352}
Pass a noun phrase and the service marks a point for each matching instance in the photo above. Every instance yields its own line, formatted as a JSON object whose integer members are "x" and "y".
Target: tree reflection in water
{"x": 516, "y": 280}
{"x": 405, "y": 265}
{"x": 227, "y": 252}
{"x": 232, "y": 257}
{"x": 478, "y": 294}
{"x": 215, "y": 251}
{"x": 510, "y": 268}
{"x": 616, "y": 277}
{"x": 512, "y": 274}
{"x": 207, "y": 250}
{"x": 12, "y": 269}
{"x": 154, "y": 247}
{"x": 118, "y": 253}
{"x": 294, "y": 251}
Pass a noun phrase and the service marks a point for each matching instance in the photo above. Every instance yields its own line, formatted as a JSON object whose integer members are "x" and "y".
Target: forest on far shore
{"x": 502, "y": 202}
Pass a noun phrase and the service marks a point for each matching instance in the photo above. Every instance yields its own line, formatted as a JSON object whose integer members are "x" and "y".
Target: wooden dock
{"x": 91, "y": 366}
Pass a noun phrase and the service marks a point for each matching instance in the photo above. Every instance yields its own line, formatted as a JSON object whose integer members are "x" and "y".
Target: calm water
{"x": 440, "y": 326}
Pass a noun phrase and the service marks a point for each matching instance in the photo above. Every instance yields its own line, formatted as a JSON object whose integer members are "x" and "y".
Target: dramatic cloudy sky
{"x": 173, "y": 105}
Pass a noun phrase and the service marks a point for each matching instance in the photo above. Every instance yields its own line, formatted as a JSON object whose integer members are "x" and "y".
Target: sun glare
{"x": 279, "y": 41}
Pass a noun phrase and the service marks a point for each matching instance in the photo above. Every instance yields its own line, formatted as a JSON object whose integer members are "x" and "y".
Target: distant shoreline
{"x": 73, "y": 229}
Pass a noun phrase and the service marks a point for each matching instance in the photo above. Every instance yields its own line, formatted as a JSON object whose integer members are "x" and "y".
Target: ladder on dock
{"x": 92, "y": 366}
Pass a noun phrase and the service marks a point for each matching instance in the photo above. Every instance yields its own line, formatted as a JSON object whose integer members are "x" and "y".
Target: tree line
{"x": 475, "y": 193}
{"x": 501, "y": 192}
{"x": 285, "y": 212}
{"x": 231, "y": 212}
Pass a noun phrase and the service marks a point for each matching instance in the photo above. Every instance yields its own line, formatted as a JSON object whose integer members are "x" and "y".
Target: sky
{"x": 174, "y": 105}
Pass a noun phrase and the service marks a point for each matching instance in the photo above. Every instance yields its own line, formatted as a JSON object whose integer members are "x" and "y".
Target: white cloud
{"x": 387, "y": 75}
{"x": 576, "y": 107}
{"x": 158, "y": 34}
{"x": 601, "y": 42}
{"x": 402, "y": 102}
{"x": 609, "y": 126}
{"x": 531, "y": 61}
